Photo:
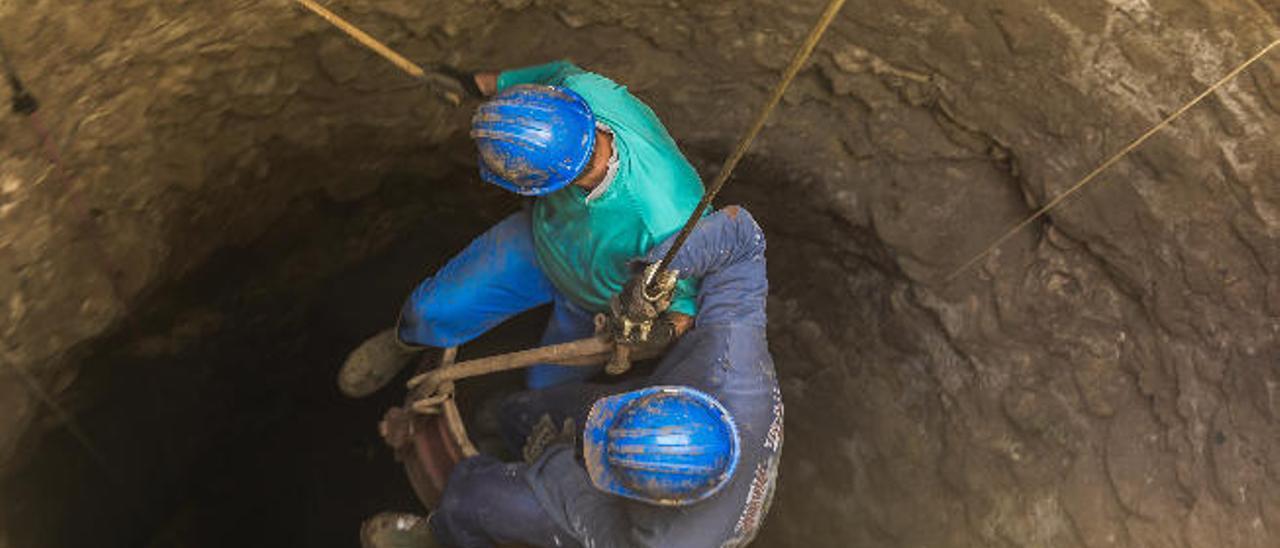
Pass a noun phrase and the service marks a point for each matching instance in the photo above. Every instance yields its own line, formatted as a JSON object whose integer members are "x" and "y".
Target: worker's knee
{"x": 475, "y": 486}
{"x": 431, "y": 319}
{"x": 488, "y": 501}
{"x": 460, "y": 493}
{"x": 414, "y": 324}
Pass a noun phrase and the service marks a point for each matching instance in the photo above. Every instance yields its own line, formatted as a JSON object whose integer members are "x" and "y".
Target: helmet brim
{"x": 595, "y": 440}
{"x": 489, "y": 176}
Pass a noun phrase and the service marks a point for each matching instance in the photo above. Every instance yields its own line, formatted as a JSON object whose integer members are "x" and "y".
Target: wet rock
{"x": 1102, "y": 385}
{"x": 402, "y": 9}
{"x": 1210, "y": 525}
{"x": 1105, "y": 378}
{"x": 573, "y": 20}
{"x": 1090, "y": 502}
{"x": 340, "y": 59}
{"x": 86, "y": 28}
{"x": 18, "y": 406}
{"x": 1144, "y": 487}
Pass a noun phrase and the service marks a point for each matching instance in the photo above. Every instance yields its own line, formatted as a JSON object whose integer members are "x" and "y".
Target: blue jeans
{"x": 494, "y": 278}
{"x": 488, "y": 502}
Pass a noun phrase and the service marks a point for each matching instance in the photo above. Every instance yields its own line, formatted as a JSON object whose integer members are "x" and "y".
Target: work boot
{"x": 374, "y": 363}
{"x": 396, "y": 530}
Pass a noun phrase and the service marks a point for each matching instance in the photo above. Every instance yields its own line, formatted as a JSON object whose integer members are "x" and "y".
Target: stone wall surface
{"x": 1107, "y": 377}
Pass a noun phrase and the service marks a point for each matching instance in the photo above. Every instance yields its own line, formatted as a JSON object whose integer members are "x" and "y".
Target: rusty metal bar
{"x": 580, "y": 353}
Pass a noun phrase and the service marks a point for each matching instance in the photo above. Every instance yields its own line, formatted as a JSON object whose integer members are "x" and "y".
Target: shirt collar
{"x": 600, "y": 189}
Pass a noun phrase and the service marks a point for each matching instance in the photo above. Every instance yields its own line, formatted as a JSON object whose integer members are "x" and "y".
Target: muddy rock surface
{"x": 1106, "y": 378}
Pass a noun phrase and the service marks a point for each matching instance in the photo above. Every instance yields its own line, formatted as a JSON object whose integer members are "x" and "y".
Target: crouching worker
{"x": 608, "y": 184}
{"x": 686, "y": 457}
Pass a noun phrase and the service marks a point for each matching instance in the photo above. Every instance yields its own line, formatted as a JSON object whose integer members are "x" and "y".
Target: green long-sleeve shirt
{"x": 584, "y": 239}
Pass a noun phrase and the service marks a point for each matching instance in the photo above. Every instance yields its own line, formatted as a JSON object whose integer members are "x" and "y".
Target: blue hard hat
{"x": 534, "y": 139}
{"x": 665, "y": 445}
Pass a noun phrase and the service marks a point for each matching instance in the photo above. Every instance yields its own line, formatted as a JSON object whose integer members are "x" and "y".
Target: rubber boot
{"x": 374, "y": 363}
{"x": 396, "y": 530}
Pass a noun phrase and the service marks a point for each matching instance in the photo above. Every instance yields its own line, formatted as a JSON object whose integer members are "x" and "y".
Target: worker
{"x": 608, "y": 183}
{"x": 686, "y": 457}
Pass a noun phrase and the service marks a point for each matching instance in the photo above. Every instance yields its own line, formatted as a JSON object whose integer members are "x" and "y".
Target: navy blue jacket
{"x": 725, "y": 355}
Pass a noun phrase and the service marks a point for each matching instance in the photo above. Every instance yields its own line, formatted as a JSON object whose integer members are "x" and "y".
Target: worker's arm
{"x": 725, "y": 250}
{"x": 487, "y": 82}
{"x": 685, "y": 299}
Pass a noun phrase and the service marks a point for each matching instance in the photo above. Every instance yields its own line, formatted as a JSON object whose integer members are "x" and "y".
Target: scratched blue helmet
{"x": 533, "y": 139}
{"x": 665, "y": 445}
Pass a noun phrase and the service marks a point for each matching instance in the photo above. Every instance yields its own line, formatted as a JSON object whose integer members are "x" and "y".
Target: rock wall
{"x": 181, "y": 129}
{"x": 1105, "y": 378}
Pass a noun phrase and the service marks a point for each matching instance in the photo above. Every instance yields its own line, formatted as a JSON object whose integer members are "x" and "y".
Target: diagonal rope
{"x": 26, "y": 105}
{"x": 744, "y": 143}
{"x": 797, "y": 61}
{"x": 1110, "y": 161}
{"x": 367, "y": 41}
{"x": 63, "y": 416}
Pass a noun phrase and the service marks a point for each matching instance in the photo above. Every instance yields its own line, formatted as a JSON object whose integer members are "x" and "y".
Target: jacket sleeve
{"x": 726, "y": 250}
{"x": 685, "y": 299}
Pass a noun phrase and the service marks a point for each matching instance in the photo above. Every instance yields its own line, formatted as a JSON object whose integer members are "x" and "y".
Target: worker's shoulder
{"x": 662, "y": 196}
{"x": 605, "y": 96}
{"x": 610, "y": 100}
{"x": 659, "y": 187}
{"x": 591, "y": 81}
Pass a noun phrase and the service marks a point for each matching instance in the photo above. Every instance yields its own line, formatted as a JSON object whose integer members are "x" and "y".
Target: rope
{"x": 1110, "y": 161}
{"x": 442, "y": 403}
{"x": 801, "y": 55}
{"x": 33, "y": 386}
{"x": 26, "y": 105}
{"x": 797, "y": 61}
{"x": 368, "y": 41}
